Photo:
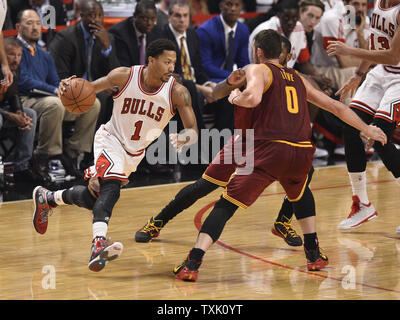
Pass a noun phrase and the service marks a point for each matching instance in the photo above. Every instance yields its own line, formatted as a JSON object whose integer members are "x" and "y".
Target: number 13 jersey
{"x": 383, "y": 27}
{"x": 139, "y": 116}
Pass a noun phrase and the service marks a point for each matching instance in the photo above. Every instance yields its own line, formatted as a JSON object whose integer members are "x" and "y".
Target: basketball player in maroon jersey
{"x": 275, "y": 105}
{"x": 217, "y": 175}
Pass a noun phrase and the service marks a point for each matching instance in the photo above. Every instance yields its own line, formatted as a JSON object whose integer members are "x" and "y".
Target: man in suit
{"x": 188, "y": 64}
{"x": 133, "y": 34}
{"x": 224, "y": 43}
{"x": 87, "y": 51}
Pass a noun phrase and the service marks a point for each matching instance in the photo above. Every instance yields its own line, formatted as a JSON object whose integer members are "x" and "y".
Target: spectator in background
{"x": 287, "y": 23}
{"x": 337, "y": 68}
{"x": 40, "y": 6}
{"x": 38, "y": 87}
{"x": 188, "y": 64}
{"x": 213, "y": 6}
{"x": 87, "y": 50}
{"x": 12, "y": 115}
{"x": 133, "y": 34}
{"x": 358, "y": 36}
{"x": 224, "y": 45}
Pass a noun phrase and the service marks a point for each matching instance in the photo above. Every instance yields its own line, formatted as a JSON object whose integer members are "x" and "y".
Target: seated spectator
{"x": 40, "y": 6}
{"x": 223, "y": 46}
{"x": 87, "y": 50}
{"x": 133, "y": 34}
{"x": 188, "y": 64}
{"x": 330, "y": 27}
{"x": 12, "y": 115}
{"x": 38, "y": 87}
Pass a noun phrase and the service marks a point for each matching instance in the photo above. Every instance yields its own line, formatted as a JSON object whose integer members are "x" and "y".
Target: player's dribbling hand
{"x": 64, "y": 83}
{"x": 376, "y": 134}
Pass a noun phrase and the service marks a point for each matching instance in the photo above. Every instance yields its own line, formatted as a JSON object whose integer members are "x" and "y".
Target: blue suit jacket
{"x": 213, "y": 48}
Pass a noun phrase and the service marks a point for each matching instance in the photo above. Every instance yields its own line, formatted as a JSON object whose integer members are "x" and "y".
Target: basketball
{"x": 79, "y": 96}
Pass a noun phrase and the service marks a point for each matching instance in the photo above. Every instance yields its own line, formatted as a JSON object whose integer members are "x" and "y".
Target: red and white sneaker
{"x": 102, "y": 251}
{"x": 42, "y": 209}
{"x": 360, "y": 213}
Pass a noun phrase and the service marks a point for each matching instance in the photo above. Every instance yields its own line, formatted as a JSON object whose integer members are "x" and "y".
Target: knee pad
{"x": 216, "y": 220}
{"x": 109, "y": 194}
{"x": 305, "y": 207}
{"x": 80, "y": 196}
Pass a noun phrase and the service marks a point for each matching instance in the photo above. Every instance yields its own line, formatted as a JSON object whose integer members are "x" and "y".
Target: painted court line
{"x": 201, "y": 212}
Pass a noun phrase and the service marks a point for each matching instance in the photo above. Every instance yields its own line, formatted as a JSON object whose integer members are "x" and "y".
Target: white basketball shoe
{"x": 360, "y": 213}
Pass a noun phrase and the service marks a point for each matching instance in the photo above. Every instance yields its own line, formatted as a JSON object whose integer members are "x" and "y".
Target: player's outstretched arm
{"x": 236, "y": 79}
{"x": 391, "y": 56}
{"x": 183, "y": 103}
{"x": 117, "y": 77}
{"x": 257, "y": 78}
{"x": 340, "y": 110}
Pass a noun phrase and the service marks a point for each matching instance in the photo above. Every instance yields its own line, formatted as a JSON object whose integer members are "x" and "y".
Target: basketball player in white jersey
{"x": 376, "y": 101}
{"x": 147, "y": 98}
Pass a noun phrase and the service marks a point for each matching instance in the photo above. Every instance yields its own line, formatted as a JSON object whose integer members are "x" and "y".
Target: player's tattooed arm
{"x": 235, "y": 80}
{"x": 117, "y": 77}
{"x": 182, "y": 102}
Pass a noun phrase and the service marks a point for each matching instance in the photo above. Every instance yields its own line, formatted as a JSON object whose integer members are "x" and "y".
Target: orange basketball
{"x": 79, "y": 96}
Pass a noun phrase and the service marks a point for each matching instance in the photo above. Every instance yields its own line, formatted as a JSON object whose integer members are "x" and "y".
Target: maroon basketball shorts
{"x": 283, "y": 161}
{"x": 223, "y": 166}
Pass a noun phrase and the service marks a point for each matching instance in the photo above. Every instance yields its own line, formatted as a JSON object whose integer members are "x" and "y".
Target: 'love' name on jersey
{"x": 139, "y": 106}
{"x": 379, "y": 23}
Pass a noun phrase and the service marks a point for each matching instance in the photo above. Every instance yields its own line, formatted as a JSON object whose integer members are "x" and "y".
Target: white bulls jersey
{"x": 139, "y": 116}
{"x": 383, "y": 27}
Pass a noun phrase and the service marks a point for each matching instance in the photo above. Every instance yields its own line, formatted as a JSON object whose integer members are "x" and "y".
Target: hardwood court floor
{"x": 247, "y": 263}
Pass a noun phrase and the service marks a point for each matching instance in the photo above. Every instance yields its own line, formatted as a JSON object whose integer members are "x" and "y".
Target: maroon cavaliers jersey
{"x": 283, "y": 112}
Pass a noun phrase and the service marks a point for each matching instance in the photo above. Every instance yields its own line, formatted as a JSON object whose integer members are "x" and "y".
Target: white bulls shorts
{"x": 379, "y": 94}
{"x": 112, "y": 161}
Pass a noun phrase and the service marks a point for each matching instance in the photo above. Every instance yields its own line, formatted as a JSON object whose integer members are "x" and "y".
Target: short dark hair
{"x": 286, "y": 4}
{"x": 157, "y": 47}
{"x": 12, "y": 41}
{"x": 304, "y": 4}
{"x": 270, "y": 42}
{"x": 144, "y": 5}
{"x": 286, "y": 43}
{"x": 179, "y": 3}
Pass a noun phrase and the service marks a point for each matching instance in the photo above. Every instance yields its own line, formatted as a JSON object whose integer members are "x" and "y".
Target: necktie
{"x": 89, "y": 58}
{"x": 142, "y": 48}
{"x": 230, "y": 53}
{"x": 32, "y": 50}
{"x": 187, "y": 72}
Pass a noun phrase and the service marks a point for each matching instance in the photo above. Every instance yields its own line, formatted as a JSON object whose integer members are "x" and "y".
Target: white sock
{"x": 58, "y": 197}
{"x": 99, "y": 229}
{"x": 359, "y": 185}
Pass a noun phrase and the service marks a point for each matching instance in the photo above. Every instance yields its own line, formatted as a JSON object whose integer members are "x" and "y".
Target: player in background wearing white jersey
{"x": 376, "y": 101}
{"x": 146, "y": 100}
